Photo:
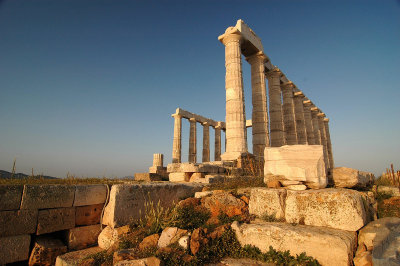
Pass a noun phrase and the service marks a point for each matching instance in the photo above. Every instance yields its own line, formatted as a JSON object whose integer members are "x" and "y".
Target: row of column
{"x": 192, "y": 156}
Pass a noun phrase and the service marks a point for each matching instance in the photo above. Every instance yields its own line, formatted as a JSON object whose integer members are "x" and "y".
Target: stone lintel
{"x": 201, "y": 119}
{"x": 249, "y": 35}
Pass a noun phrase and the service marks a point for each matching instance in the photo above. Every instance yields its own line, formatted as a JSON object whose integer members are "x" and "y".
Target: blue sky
{"x": 88, "y": 87}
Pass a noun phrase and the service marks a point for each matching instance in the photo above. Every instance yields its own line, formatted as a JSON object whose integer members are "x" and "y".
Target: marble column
{"x": 299, "y": 117}
{"x": 192, "y": 141}
{"x": 288, "y": 113}
{"x": 158, "y": 160}
{"x": 217, "y": 149}
{"x": 206, "y": 142}
{"x": 177, "y": 141}
{"x": 259, "y": 102}
{"x": 317, "y": 134}
{"x": 308, "y": 122}
{"x": 328, "y": 138}
{"x": 277, "y": 135}
{"x": 321, "y": 126}
{"x": 236, "y": 134}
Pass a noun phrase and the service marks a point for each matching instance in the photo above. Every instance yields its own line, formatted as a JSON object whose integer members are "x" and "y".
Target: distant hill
{"x": 7, "y": 175}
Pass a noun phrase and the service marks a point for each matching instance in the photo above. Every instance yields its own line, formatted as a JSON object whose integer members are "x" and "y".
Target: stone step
{"x": 328, "y": 246}
{"x": 73, "y": 258}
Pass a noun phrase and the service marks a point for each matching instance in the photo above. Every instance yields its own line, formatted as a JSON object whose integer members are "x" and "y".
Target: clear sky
{"x": 88, "y": 87}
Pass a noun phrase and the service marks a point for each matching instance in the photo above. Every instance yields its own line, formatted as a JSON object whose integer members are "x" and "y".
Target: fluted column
{"x": 321, "y": 126}
{"x": 299, "y": 116}
{"x": 177, "y": 141}
{"x": 288, "y": 113}
{"x": 236, "y": 134}
{"x": 314, "y": 119}
{"x": 277, "y": 135}
{"x": 328, "y": 138}
{"x": 158, "y": 160}
{"x": 192, "y": 141}
{"x": 259, "y": 101}
{"x": 217, "y": 149}
{"x": 206, "y": 142}
{"x": 308, "y": 122}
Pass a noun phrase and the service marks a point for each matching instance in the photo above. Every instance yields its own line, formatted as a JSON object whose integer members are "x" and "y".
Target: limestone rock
{"x": 10, "y": 197}
{"x": 296, "y": 187}
{"x": 179, "y": 177}
{"x": 51, "y": 220}
{"x": 71, "y": 258}
{"x": 381, "y": 238}
{"x": 47, "y": 196}
{"x": 123, "y": 255}
{"x": 46, "y": 250}
{"x": 149, "y": 242}
{"x": 202, "y": 194}
{"x": 296, "y": 163}
{"x": 88, "y": 215}
{"x": 20, "y": 222}
{"x": 192, "y": 202}
{"x": 14, "y": 248}
{"x": 351, "y": 178}
{"x": 90, "y": 194}
{"x": 224, "y": 202}
{"x": 127, "y": 200}
{"x": 336, "y": 208}
{"x": 148, "y": 177}
{"x": 218, "y": 232}
{"x": 268, "y": 201}
{"x": 151, "y": 261}
{"x": 328, "y": 246}
{"x": 393, "y": 191}
{"x": 83, "y": 237}
{"x": 170, "y": 235}
{"x": 274, "y": 184}
{"x": 110, "y": 236}
{"x": 198, "y": 240}
{"x": 184, "y": 242}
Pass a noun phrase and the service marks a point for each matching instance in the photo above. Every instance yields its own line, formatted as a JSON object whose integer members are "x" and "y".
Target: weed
{"x": 100, "y": 258}
{"x": 225, "y": 219}
{"x": 271, "y": 218}
{"x": 188, "y": 217}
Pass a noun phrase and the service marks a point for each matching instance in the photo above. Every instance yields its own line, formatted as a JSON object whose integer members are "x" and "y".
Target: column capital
{"x": 219, "y": 125}
{"x": 257, "y": 57}
{"x": 231, "y": 34}
{"x": 321, "y": 114}
{"x": 299, "y": 94}
{"x": 326, "y": 119}
{"x": 192, "y": 119}
{"x": 314, "y": 109}
{"x": 287, "y": 85}
{"x": 307, "y": 103}
{"x": 275, "y": 72}
{"x": 176, "y": 115}
{"x": 206, "y": 123}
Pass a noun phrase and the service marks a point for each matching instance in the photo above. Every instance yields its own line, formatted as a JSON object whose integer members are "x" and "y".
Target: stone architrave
{"x": 236, "y": 134}
{"x": 177, "y": 142}
{"x": 47, "y": 196}
{"x": 206, "y": 142}
{"x": 277, "y": 135}
{"x": 299, "y": 116}
{"x": 288, "y": 113}
{"x": 192, "y": 141}
{"x": 308, "y": 122}
{"x": 321, "y": 125}
{"x": 328, "y": 139}
{"x": 217, "y": 150}
{"x": 259, "y": 101}
{"x": 314, "y": 119}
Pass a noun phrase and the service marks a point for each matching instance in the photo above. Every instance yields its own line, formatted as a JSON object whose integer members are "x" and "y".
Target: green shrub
{"x": 271, "y": 218}
{"x": 188, "y": 217}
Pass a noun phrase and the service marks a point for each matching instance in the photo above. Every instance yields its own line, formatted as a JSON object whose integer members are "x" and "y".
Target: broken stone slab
{"x": 148, "y": 177}
{"x": 381, "y": 239}
{"x": 52, "y": 220}
{"x": 328, "y": 246}
{"x": 169, "y": 236}
{"x": 268, "y": 201}
{"x": 195, "y": 168}
{"x": 127, "y": 200}
{"x": 47, "y": 196}
{"x": 18, "y": 222}
{"x": 345, "y": 177}
{"x": 10, "y": 197}
{"x": 335, "y": 208}
{"x": 303, "y": 163}
{"x": 90, "y": 194}
{"x": 46, "y": 250}
{"x": 88, "y": 215}
{"x": 296, "y": 187}
{"x": 73, "y": 258}
{"x": 83, "y": 237}
{"x": 14, "y": 248}
{"x": 109, "y": 236}
{"x": 179, "y": 177}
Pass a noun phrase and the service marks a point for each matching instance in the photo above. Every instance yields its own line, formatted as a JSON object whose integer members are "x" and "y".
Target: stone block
{"x": 83, "y": 237}
{"x": 345, "y": 177}
{"x": 71, "y": 258}
{"x": 46, "y": 250}
{"x": 52, "y": 220}
{"x": 90, "y": 194}
{"x": 328, "y": 246}
{"x": 109, "y": 236}
{"x": 127, "y": 200}
{"x": 20, "y": 222}
{"x": 88, "y": 215}
{"x": 336, "y": 208}
{"x": 303, "y": 163}
{"x": 393, "y": 191}
{"x": 148, "y": 177}
{"x": 170, "y": 235}
{"x": 268, "y": 201}
{"x": 47, "y": 196}
{"x": 179, "y": 177}
{"x": 10, "y": 197}
{"x": 14, "y": 248}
